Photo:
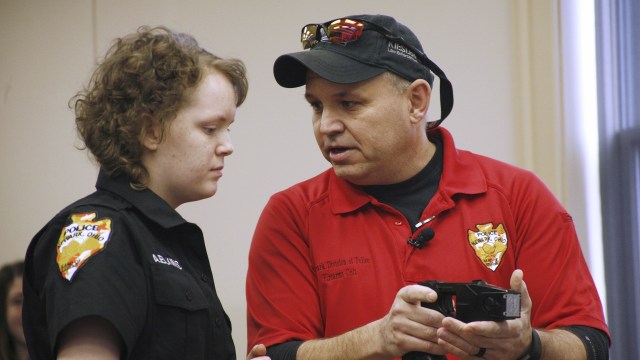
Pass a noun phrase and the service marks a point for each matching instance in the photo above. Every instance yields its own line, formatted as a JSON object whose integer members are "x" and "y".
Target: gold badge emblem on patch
{"x": 489, "y": 243}
{"x": 80, "y": 240}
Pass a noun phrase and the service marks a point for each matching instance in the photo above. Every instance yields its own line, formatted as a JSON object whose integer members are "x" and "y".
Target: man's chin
{"x": 350, "y": 174}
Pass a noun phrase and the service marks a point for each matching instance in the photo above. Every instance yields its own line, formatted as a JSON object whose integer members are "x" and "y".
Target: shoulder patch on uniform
{"x": 80, "y": 240}
{"x": 489, "y": 244}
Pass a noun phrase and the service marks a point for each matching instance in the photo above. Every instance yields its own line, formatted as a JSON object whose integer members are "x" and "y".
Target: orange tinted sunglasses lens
{"x": 342, "y": 31}
{"x": 339, "y": 31}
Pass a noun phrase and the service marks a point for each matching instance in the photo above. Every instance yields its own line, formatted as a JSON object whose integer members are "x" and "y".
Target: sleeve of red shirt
{"x": 555, "y": 271}
{"x": 282, "y": 298}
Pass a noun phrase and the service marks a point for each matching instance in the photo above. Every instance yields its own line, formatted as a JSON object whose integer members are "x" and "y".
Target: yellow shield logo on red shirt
{"x": 489, "y": 244}
{"x": 80, "y": 240}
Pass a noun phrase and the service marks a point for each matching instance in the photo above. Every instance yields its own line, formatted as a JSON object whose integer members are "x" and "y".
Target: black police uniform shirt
{"x": 128, "y": 257}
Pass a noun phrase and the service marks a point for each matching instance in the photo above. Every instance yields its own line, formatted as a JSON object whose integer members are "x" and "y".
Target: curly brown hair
{"x": 145, "y": 75}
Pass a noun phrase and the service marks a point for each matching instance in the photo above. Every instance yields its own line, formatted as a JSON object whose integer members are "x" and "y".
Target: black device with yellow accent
{"x": 467, "y": 302}
{"x": 474, "y": 301}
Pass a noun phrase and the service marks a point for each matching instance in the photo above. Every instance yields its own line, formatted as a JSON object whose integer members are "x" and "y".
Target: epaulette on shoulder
{"x": 100, "y": 199}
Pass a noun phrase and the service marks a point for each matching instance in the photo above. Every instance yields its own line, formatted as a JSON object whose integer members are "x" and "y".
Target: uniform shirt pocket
{"x": 181, "y": 319}
{"x": 174, "y": 287}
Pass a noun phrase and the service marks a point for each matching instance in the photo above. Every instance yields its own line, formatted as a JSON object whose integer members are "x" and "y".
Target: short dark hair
{"x": 8, "y": 273}
{"x": 145, "y": 75}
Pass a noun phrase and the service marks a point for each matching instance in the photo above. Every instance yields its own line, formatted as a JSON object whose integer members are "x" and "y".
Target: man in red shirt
{"x": 335, "y": 259}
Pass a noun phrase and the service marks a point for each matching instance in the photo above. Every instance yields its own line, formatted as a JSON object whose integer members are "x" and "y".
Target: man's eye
{"x": 348, "y": 104}
{"x": 209, "y": 130}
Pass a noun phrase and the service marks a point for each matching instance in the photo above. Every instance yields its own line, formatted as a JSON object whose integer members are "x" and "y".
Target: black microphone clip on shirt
{"x": 425, "y": 235}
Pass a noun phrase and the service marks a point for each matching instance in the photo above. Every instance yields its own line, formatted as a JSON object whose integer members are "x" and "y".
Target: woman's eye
{"x": 316, "y": 106}
{"x": 16, "y": 300}
{"x": 209, "y": 130}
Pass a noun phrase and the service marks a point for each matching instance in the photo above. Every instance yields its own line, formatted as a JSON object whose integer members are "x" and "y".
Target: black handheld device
{"x": 474, "y": 301}
{"x": 467, "y": 302}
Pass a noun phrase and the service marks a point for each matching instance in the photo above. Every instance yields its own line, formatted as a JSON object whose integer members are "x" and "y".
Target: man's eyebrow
{"x": 339, "y": 94}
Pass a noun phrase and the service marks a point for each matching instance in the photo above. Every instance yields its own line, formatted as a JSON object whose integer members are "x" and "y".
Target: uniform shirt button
{"x": 398, "y": 223}
{"x": 189, "y": 295}
{"x": 204, "y": 277}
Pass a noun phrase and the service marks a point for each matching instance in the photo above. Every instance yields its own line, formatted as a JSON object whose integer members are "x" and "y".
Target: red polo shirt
{"x": 327, "y": 258}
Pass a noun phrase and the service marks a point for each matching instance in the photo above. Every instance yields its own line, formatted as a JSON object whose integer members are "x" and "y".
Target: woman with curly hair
{"x": 119, "y": 273}
{"x": 12, "y": 344}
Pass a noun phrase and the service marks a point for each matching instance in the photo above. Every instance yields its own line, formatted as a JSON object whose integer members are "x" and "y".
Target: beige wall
{"x": 501, "y": 56}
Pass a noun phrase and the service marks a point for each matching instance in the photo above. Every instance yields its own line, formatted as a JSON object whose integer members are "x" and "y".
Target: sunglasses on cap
{"x": 346, "y": 30}
{"x": 340, "y": 31}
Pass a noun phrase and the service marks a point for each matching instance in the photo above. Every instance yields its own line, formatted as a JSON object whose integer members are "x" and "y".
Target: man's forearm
{"x": 561, "y": 344}
{"x": 360, "y": 343}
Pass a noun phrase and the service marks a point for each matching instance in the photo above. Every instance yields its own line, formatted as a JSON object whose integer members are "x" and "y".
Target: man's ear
{"x": 151, "y": 134}
{"x": 419, "y": 93}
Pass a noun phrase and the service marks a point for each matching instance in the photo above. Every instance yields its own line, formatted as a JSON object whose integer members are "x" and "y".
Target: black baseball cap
{"x": 385, "y": 45}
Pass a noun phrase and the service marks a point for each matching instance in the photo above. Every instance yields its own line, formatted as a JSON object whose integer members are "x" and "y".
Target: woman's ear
{"x": 419, "y": 93}
{"x": 151, "y": 134}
